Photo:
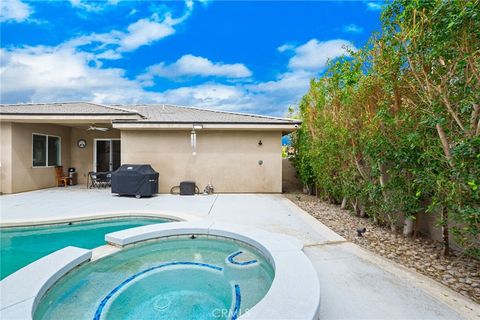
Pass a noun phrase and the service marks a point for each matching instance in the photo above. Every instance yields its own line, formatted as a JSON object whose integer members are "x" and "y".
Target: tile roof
{"x": 66, "y": 108}
{"x": 165, "y": 113}
{"x": 159, "y": 113}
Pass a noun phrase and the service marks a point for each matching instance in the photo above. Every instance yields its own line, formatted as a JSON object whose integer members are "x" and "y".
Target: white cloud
{"x": 211, "y": 95}
{"x": 286, "y": 47}
{"x": 290, "y": 81}
{"x": 375, "y": 6}
{"x": 108, "y": 55}
{"x": 45, "y": 74}
{"x": 272, "y": 97}
{"x": 314, "y": 54}
{"x": 268, "y": 97}
{"x": 59, "y": 74}
{"x": 190, "y": 66}
{"x": 14, "y": 10}
{"x": 144, "y": 32}
{"x": 93, "y": 6}
{"x": 140, "y": 33}
{"x": 352, "y": 28}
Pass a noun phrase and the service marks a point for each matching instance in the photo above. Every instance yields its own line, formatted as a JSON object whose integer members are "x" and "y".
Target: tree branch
{"x": 474, "y": 119}
{"x": 443, "y": 139}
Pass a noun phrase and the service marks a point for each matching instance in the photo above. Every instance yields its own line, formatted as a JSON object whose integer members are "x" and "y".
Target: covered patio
{"x": 33, "y": 145}
{"x": 74, "y": 145}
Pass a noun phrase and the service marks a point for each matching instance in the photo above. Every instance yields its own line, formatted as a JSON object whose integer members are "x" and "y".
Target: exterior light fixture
{"x": 193, "y": 141}
{"x": 193, "y": 137}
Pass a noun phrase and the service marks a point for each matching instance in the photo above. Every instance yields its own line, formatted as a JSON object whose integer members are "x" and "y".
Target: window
{"x": 53, "y": 151}
{"x": 39, "y": 150}
{"x": 46, "y": 150}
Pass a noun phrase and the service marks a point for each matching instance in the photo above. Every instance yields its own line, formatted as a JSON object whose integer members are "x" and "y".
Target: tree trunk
{"x": 415, "y": 226}
{"x": 408, "y": 227}
{"x": 361, "y": 167}
{"x": 445, "y": 232}
{"x": 361, "y": 205}
{"x": 356, "y": 207}
{"x": 393, "y": 227}
{"x": 306, "y": 190}
{"x": 383, "y": 179}
{"x": 344, "y": 203}
{"x": 359, "y": 208}
{"x": 474, "y": 120}
{"x": 443, "y": 140}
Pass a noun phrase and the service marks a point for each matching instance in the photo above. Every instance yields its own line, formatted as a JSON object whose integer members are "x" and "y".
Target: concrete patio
{"x": 355, "y": 284}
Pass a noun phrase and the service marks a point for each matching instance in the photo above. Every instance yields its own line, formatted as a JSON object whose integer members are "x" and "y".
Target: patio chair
{"x": 108, "y": 179}
{"x": 103, "y": 179}
{"x": 61, "y": 178}
{"x": 93, "y": 180}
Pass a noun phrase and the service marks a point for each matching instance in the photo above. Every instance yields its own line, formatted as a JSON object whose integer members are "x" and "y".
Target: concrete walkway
{"x": 355, "y": 284}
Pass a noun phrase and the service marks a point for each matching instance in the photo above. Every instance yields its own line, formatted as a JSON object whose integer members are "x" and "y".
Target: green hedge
{"x": 394, "y": 127}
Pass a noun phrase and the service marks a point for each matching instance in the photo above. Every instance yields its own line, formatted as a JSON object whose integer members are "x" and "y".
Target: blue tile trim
{"x": 238, "y": 302}
{"x": 101, "y": 306}
{"x": 231, "y": 258}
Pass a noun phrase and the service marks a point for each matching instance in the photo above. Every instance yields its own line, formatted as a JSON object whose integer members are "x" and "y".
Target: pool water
{"x": 173, "y": 278}
{"x": 23, "y": 245}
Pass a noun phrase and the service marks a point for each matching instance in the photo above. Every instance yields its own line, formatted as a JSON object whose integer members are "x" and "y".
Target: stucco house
{"x": 232, "y": 151}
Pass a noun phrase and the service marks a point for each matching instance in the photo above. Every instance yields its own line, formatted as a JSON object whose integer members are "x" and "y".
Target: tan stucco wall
{"x": 5, "y": 157}
{"x": 82, "y": 159}
{"x": 24, "y": 176}
{"x": 227, "y": 159}
{"x": 290, "y": 181}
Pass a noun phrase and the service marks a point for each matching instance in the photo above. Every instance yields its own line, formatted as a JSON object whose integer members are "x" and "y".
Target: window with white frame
{"x": 46, "y": 150}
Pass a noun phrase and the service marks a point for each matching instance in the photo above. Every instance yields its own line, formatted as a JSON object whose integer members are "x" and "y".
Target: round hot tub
{"x": 182, "y": 277}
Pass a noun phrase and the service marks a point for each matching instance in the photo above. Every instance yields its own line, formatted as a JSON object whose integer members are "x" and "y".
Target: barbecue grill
{"x": 139, "y": 180}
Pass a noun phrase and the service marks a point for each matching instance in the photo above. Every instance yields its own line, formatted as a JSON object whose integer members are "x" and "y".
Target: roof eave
{"x": 49, "y": 117}
{"x": 284, "y": 127}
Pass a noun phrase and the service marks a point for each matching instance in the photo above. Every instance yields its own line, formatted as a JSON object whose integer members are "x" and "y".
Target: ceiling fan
{"x": 94, "y": 127}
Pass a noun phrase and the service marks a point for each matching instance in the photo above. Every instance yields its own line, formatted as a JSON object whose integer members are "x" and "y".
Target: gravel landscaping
{"x": 458, "y": 272}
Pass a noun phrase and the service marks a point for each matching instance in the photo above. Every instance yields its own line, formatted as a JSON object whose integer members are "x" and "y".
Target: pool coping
{"x": 174, "y": 216}
{"x": 295, "y": 290}
{"x": 22, "y": 290}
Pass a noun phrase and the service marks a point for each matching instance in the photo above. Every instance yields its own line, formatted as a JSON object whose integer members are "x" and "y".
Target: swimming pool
{"x": 181, "y": 277}
{"x": 23, "y": 245}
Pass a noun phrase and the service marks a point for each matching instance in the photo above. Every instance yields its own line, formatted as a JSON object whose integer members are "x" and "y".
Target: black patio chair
{"x": 108, "y": 179}
{"x": 104, "y": 179}
{"x": 93, "y": 181}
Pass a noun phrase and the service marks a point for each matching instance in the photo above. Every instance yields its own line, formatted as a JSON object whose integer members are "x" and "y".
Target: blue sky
{"x": 255, "y": 57}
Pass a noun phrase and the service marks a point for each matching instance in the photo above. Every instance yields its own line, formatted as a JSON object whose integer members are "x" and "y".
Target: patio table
{"x": 102, "y": 179}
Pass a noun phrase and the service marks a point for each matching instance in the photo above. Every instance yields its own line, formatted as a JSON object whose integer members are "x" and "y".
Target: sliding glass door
{"x": 107, "y": 155}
